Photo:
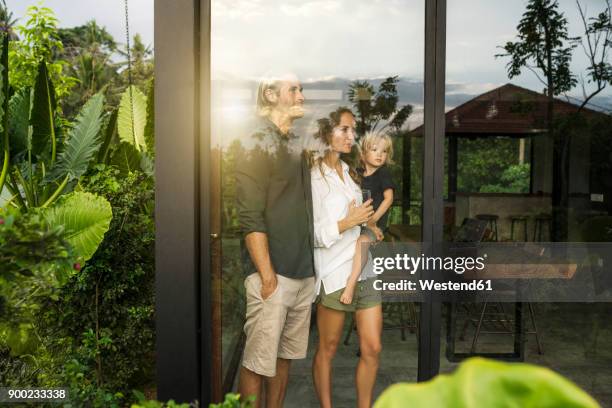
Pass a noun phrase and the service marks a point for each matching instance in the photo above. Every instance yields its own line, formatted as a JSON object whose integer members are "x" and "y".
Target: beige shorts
{"x": 278, "y": 326}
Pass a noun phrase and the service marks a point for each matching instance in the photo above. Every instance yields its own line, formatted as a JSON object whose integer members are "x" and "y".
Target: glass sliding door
{"x": 533, "y": 168}
{"x": 362, "y": 55}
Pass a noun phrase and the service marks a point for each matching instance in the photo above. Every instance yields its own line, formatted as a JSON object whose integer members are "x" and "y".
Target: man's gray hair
{"x": 272, "y": 82}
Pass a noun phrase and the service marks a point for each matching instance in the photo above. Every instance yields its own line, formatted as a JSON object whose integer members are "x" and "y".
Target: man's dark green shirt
{"x": 274, "y": 196}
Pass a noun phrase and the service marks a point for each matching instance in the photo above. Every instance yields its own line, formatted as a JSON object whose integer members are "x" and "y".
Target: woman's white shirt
{"x": 333, "y": 252}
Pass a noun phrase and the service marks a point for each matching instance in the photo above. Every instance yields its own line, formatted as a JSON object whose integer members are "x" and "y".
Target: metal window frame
{"x": 184, "y": 233}
{"x": 433, "y": 176}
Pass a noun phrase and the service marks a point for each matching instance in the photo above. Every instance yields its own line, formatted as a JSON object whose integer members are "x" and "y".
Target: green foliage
{"x": 39, "y": 42}
{"x": 144, "y": 403}
{"x": 233, "y": 401}
{"x": 142, "y": 64}
{"x": 132, "y": 118}
{"x": 376, "y": 106}
{"x": 87, "y": 51}
{"x": 231, "y": 156}
{"x": 33, "y": 254}
{"x": 137, "y": 143}
{"x": 83, "y": 141}
{"x": 514, "y": 179}
{"x": 85, "y": 218}
{"x": 149, "y": 131}
{"x": 42, "y": 115}
{"x": 543, "y": 42}
{"x": 29, "y": 245}
{"x": 487, "y": 383}
{"x": 491, "y": 165}
{"x": 99, "y": 332}
{"x": 37, "y": 176}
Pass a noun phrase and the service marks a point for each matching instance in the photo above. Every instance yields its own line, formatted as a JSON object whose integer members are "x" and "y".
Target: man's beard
{"x": 296, "y": 111}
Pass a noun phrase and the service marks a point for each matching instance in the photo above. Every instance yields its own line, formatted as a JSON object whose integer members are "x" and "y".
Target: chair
{"x": 491, "y": 220}
{"x": 542, "y": 220}
{"x": 493, "y": 319}
{"x": 518, "y": 220}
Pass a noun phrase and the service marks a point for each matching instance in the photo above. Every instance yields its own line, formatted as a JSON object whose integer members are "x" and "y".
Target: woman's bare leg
{"x": 330, "y": 323}
{"x": 369, "y": 327}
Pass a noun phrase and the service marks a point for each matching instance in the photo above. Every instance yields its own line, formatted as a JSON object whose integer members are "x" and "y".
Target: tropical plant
{"x": 141, "y": 64}
{"x": 486, "y": 383}
{"x": 38, "y": 162}
{"x": 39, "y": 42}
{"x": 545, "y": 48}
{"x": 129, "y": 137}
{"x": 233, "y": 401}
{"x": 376, "y": 107}
{"x": 88, "y": 51}
{"x": 41, "y": 251}
{"x": 99, "y": 332}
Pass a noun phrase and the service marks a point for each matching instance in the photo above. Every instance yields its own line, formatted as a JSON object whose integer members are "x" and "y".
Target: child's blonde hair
{"x": 374, "y": 138}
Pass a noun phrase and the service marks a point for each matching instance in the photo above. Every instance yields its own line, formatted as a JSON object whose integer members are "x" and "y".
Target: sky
{"x": 108, "y": 13}
{"x": 320, "y": 39}
{"x": 371, "y": 38}
{"x": 328, "y": 43}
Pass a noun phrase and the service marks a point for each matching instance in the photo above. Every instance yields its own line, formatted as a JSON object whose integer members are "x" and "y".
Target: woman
{"x": 337, "y": 226}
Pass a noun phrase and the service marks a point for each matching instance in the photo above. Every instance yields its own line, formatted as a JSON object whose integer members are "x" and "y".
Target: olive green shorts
{"x": 365, "y": 296}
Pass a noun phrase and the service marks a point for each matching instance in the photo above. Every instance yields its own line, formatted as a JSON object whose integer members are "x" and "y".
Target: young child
{"x": 376, "y": 152}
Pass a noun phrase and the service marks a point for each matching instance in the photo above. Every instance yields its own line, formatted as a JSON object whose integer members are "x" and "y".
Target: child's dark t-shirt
{"x": 377, "y": 183}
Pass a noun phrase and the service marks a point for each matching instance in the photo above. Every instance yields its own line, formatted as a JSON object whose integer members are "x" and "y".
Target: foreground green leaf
{"x": 486, "y": 383}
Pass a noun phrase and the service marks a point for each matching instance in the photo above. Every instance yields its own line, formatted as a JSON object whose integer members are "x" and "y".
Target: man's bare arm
{"x": 257, "y": 245}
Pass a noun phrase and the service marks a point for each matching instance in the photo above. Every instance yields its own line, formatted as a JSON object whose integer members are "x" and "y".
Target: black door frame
{"x": 183, "y": 228}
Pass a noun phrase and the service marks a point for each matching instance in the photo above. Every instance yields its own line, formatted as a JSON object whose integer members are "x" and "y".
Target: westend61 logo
{"x": 412, "y": 264}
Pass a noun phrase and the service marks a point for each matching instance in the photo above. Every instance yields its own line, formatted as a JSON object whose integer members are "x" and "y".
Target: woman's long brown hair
{"x": 324, "y": 132}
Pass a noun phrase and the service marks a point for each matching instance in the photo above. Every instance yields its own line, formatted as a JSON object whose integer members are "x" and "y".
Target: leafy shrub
{"x": 233, "y": 401}
{"x": 100, "y": 331}
{"x": 486, "y": 383}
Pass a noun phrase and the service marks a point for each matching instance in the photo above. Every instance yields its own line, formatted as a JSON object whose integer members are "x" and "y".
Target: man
{"x": 275, "y": 212}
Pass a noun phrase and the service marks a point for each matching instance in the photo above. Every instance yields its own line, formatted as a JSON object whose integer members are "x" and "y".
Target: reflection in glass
{"x": 329, "y": 46}
{"x": 526, "y": 156}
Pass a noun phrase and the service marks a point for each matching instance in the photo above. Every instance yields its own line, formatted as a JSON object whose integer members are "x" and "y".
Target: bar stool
{"x": 518, "y": 219}
{"x": 540, "y": 221}
{"x": 491, "y": 220}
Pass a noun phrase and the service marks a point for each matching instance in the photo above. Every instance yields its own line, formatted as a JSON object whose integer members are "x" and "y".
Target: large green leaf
{"x": 43, "y": 111}
{"x": 133, "y": 131}
{"x": 19, "y": 121}
{"x": 110, "y": 134}
{"x": 85, "y": 218}
{"x": 83, "y": 141}
{"x": 150, "y": 126}
{"x": 126, "y": 158}
{"x": 486, "y": 383}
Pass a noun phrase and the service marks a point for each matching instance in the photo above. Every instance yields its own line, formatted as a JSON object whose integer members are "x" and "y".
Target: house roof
{"x": 508, "y": 110}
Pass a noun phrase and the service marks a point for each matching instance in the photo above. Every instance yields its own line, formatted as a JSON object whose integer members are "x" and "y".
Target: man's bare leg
{"x": 277, "y": 386}
{"x": 250, "y": 384}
